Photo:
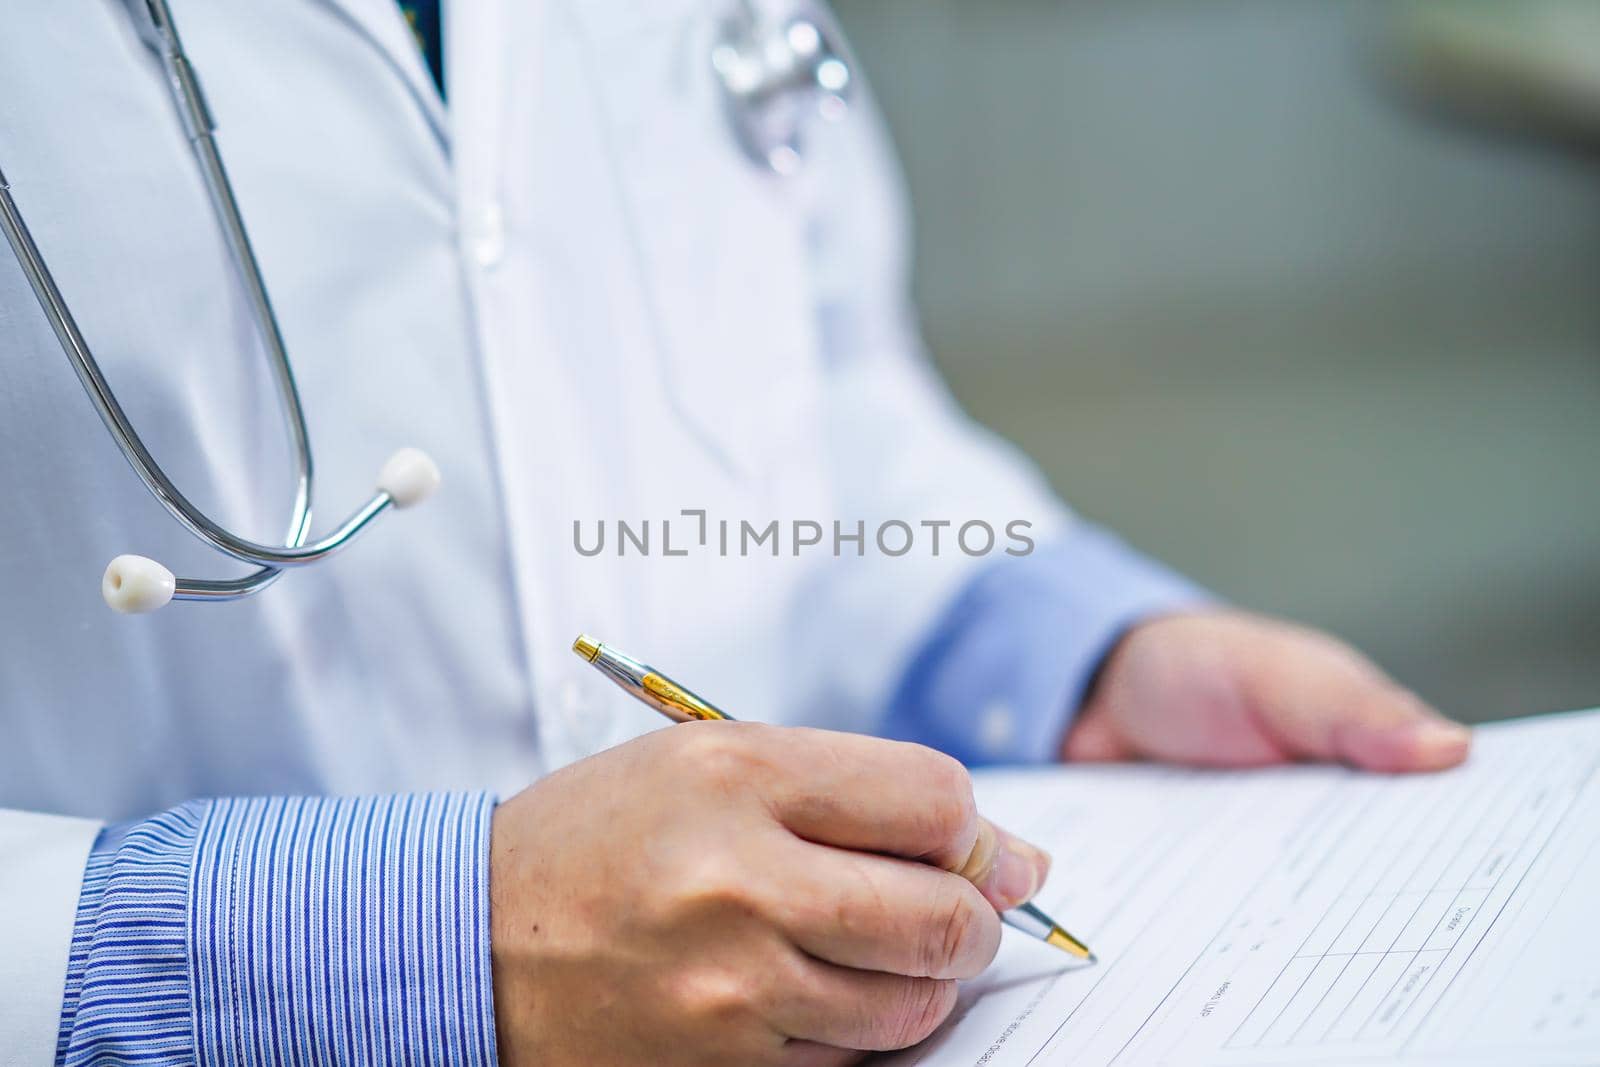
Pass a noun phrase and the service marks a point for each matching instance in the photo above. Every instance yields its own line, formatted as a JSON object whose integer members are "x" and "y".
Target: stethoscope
{"x": 773, "y": 73}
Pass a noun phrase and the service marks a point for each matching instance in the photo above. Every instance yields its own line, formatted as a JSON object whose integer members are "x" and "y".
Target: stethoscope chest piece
{"x": 777, "y": 75}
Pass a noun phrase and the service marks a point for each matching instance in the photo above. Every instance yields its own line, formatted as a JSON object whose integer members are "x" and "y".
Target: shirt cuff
{"x": 286, "y": 930}
{"x": 1008, "y": 664}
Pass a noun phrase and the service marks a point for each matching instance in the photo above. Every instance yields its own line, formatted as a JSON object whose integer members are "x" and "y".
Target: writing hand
{"x": 742, "y": 894}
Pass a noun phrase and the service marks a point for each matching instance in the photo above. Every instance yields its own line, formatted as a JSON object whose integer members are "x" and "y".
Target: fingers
{"x": 866, "y": 1010}
{"x": 879, "y": 914}
{"x": 904, "y": 800}
{"x": 1389, "y": 729}
{"x": 872, "y": 795}
{"x": 1323, "y": 700}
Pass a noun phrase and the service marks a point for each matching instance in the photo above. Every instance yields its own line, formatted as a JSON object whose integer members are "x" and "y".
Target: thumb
{"x": 1007, "y": 870}
{"x": 1387, "y": 728}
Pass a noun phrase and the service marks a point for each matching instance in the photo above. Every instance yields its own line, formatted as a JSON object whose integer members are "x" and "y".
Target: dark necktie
{"x": 426, "y": 25}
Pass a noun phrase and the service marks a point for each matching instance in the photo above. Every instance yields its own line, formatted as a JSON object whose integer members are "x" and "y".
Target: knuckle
{"x": 951, "y": 806}
{"x": 849, "y": 922}
{"x": 715, "y": 882}
{"x": 719, "y": 996}
{"x": 924, "y": 1003}
{"x": 720, "y": 754}
{"x": 955, "y": 929}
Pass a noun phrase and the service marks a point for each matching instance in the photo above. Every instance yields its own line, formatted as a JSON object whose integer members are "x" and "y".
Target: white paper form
{"x": 1306, "y": 915}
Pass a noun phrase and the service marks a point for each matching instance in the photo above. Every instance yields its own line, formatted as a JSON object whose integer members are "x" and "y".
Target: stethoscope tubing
{"x": 157, "y": 29}
{"x": 132, "y": 445}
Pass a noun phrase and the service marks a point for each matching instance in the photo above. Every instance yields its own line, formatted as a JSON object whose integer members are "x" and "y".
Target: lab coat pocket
{"x": 721, "y": 242}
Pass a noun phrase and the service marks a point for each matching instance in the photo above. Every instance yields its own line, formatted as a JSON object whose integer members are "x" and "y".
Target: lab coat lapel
{"x": 381, "y": 23}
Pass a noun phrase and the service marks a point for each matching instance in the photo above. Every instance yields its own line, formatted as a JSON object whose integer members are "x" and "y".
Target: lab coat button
{"x": 486, "y": 239}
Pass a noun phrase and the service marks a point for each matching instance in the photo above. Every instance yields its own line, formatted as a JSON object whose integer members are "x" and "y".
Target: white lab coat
{"x": 572, "y": 289}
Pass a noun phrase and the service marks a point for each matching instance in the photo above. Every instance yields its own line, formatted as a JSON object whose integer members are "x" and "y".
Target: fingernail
{"x": 1034, "y": 855}
{"x": 1440, "y": 739}
{"x": 1017, "y": 874}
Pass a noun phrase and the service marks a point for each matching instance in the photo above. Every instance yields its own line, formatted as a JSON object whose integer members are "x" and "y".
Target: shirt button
{"x": 997, "y": 728}
{"x": 486, "y": 237}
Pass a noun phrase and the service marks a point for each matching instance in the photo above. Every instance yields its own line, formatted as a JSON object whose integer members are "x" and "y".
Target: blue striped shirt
{"x": 286, "y": 930}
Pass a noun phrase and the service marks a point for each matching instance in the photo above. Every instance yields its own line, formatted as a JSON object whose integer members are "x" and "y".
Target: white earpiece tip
{"x": 134, "y": 584}
{"x": 409, "y": 477}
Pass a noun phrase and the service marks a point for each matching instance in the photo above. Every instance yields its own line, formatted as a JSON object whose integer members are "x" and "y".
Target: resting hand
{"x": 1228, "y": 689}
{"x": 728, "y": 893}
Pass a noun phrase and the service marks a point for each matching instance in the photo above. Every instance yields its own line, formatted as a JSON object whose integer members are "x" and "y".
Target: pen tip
{"x": 587, "y": 647}
{"x": 1069, "y": 944}
{"x": 1093, "y": 958}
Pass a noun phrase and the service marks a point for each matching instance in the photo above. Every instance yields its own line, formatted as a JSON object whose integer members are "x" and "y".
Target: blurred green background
{"x": 1303, "y": 298}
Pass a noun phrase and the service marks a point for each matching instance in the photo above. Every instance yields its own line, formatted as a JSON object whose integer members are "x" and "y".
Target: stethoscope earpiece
{"x": 409, "y": 477}
{"x": 134, "y": 585}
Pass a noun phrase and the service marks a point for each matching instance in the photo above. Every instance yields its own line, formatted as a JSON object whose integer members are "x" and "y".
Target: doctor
{"x": 266, "y": 832}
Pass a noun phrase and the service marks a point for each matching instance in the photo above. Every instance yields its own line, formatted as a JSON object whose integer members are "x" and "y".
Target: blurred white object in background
{"x": 1519, "y": 63}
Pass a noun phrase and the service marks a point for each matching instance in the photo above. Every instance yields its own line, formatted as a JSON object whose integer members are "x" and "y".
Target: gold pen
{"x": 652, "y": 687}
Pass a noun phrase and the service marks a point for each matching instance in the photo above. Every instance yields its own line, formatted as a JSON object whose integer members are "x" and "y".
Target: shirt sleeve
{"x": 304, "y": 930}
{"x": 1002, "y": 673}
